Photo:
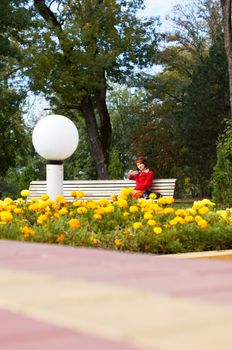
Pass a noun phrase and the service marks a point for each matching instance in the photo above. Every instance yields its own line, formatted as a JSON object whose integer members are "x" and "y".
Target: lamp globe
{"x": 55, "y": 137}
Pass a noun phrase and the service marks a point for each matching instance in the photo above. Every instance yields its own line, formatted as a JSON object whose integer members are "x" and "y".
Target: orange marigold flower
{"x": 74, "y": 223}
{"x": 118, "y": 242}
{"x": 60, "y": 238}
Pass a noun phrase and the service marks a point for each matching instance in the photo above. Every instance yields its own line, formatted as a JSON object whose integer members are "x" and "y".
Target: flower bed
{"x": 123, "y": 223}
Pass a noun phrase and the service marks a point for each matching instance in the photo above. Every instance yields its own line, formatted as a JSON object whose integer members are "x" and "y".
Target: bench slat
{"x": 96, "y": 189}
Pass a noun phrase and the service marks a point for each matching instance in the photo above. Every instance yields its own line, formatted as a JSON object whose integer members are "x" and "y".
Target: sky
{"x": 159, "y": 8}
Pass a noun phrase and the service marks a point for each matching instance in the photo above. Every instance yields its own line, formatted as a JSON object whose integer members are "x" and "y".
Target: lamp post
{"x": 55, "y": 138}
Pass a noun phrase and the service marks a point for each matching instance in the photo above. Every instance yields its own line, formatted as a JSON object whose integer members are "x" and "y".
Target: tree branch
{"x": 47, "y": 14}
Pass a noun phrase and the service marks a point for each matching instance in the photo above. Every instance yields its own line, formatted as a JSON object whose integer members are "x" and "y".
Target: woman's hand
{"x": 133, "y": 172}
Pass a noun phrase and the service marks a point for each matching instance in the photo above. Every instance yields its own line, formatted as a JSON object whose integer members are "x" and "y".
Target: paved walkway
{"x": 62, "y": 298}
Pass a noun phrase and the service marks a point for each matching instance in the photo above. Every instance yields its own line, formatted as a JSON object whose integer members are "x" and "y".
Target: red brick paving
{"x": 205, "y": 280}
{"x": 18, "y": 332}
{"x": 201, "y": 279}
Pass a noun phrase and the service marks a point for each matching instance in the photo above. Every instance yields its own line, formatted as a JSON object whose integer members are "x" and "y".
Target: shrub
{"x": 124, "y": 223}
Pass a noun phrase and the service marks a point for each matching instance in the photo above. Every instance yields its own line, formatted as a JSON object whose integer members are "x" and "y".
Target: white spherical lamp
{"x": 55, "y": 138}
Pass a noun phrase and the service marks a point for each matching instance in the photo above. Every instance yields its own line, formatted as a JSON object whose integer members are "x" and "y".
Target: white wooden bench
{"x": 96, "y": 189}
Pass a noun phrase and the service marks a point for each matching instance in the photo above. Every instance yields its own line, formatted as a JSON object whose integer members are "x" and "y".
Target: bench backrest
{"x": 96, "y": 189}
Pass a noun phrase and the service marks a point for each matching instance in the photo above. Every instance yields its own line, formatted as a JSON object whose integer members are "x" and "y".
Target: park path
{"x": 54, "y": 297}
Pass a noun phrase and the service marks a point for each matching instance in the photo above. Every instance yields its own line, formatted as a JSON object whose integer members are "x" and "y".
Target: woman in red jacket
{"x": 143, "y": 177}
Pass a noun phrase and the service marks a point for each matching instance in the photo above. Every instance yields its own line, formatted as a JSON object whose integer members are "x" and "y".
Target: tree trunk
{"x": 105, "y": 123}
{"x": 100, "y": 138}
{"x": 226, "y": 14}
{"x": 97, "y": 149}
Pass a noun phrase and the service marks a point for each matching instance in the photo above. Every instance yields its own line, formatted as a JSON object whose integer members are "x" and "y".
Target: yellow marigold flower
{"x": 60, "y": 238}
{"x": 180, "y": 212}
{"x": 159, "y": 210}
{"x": 152, "y": 196}
{"x": 56, "y": 215}
{"x": 177, "y": 220}
{"x": 41, "y": 219}
{"x": 91, "y": 204}
{"x": 109, "y": 209}
{"x": 161, "y": 201}
{"x": 153, "y": 206}
{"x": 170, "y": 200}
{"x": 48, "y": 212}
{"x": 8, "y": 201}
{"x": 118, "y": 242}
{"x": 133, "y": 209}
{"x": 6, "y": 216}
{"x": 122, "y": 203}
{"x": 190, "y": 211}
{"x": 18, "y": 210}
{"x": 181, "y": 220}
{"x": 143, "y": 202}
{"x": 203, "y": 210}
{"x": 148, "y": 216}
{"x": 80, "y": 194}
{"x": 189, "y": 218}
{"x": 82, "y": 210}
{"x": 61, "y": 199}
{"x": 33, "y": 207}
{"x": 63, "y": 211}
{"x": 125, "y": 214}
{"x": 126, "y": 192}
{"x": 151, "y": 222}
{"x": 202, "y": 223}
{"x": 208, "y": 202}
{"x": 97, "y": 217}
{"x": 104, "y": 202}
{"x": 197, "y": 205}
{"x": 41, "y": 205}
{"x": 44, "y": 197}
{"x": 126, "y": 233}
{"x": 157, "y": 230}
{"x": 10, "y": 207}
{"x": 173, "y": 222}
{"x": 93, "y": 240}
{"x": 137, "y": 225}
{"x": 74, "y": 224}
{"x": 77, "y": 203}
{"x": 55, "y": 206}
{"x": 198, "y": 218}
{"x": 25, "y": 193}
{"x": 77, "y": 194}
{"x": 27, "y": 231}
{"x": 99, "y": 211}
{"x": 165, "y": 200}
{"x": 114, "y": 197}
{"x": 168, "y": 211}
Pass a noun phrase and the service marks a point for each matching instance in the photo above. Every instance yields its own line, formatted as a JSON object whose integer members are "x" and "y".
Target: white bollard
{"x": 55, "y": 138}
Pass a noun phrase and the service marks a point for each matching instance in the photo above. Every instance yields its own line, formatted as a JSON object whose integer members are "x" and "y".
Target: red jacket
{"x": 143, "y": 180}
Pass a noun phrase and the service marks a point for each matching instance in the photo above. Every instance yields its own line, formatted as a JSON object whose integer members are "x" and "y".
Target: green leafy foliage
{"x": 115, "y": 167}
{"x": 222, "y": 174}
{"x": 202, "y": 120}
{"x": 14, "y": 139}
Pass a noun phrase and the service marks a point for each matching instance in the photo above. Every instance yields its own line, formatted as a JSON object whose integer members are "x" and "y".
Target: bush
{"x": 222, "y": 174}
